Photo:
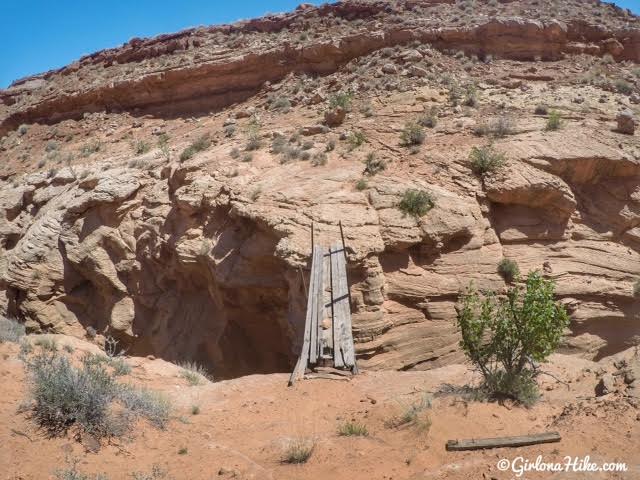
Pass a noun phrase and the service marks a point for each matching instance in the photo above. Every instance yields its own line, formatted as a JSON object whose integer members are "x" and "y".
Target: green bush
{"x": 198, "y": 145}
{"x": 356, "y": 139}
{"x": 624, "y": 87}
{"x": 485, "y": 159}
{"x": 508, "y": 269}
{"x": 342, "y": 100}
{"x": 361, "y": 184}
{"x": 412, "y": 134}
{"x": 503, "y": 336}
{"x": 353, "y": 429}
{"x": 373, "y": 165}
{"x": 554, "y": 120}
{"x": 10, "y": 330}
{"x": 429, "y": 119}
{"x": 498, "y": 127}
{"x": 281, "y": 104}
{"x": 23, "y": 129}
{"x": 319, "y": 159}
{"x": 141, "y": 147}
{"x": 416, "y": 202}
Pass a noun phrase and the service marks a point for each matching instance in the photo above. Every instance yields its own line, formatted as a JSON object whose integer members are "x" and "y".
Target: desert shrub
{"x": 624, "y": 87}
{"x": 541, "y": 109}
{"x": 361, "y": 184}
{"x": 429, "y": 119}
{"x": 234, "y": 153}
{"x": 145, "y": 403}
{"x": 198, "y": 145}
{"x": 504, "y": 336}
{"x": 607, "y": 59}
{"x": 72, "y": 473}
{"x": 229, "y": 130}
{"x": 90, "y": 148}
{"x": 194, "y": 373}
{"x": 366, "y": 110}
{"x": 636, "y": 288}
{"x": 416, "y": 202}
{"x": 156, "y": 473}
{"x": 65, "y": 395}
{"x": 554, "y": 120}
{"x": 498, "y": 127}
{"x": 195, "y": 410}
{"x": 353, "y": 429}
{"x": 470, "y": 96}
{"x": 51, "y": 146}
{"x": 278, "y": 144}
{"x": 508, "y": 269}
{"x": 281, "y": 104}
{"x": 319, "y": 159}
{"x": 10, "y": 330}
{"x": 330, "y": 146}
{"x": 298, "y": 450}
{"x": 140, "y": 147}
{"x": 485, "y": 159}
{"x": 23, "y": 129}
{"x": 307, "y": 145}
{"x": 412, "y": 134}
{"x": 413, "y": 414}
{"x": 373, "y": 165}
{"x": 46, "y": 343}
{"x": 356, "y": 139}
{"x": 254, "y": 142}
{"x": 342, "y": 100}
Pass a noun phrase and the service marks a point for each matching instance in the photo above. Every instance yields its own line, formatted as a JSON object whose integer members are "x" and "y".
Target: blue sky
{"x": 39, "y": 35}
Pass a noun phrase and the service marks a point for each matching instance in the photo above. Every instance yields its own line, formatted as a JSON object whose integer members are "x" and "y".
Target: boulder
{"x": 626, "y": 122}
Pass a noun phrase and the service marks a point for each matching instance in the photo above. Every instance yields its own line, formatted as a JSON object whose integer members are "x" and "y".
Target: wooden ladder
{"x": 328, "y": 339}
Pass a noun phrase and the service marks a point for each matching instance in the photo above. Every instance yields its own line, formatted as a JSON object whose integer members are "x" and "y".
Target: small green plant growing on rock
{"x": 194, "y": 373}
{"x": 342, "y": 100}
{"x": 504, "y": 336}
{"x": 198, "y": 145}
{"x": 485, "y": 160}
{"x": 554, "y": 120}
{"x": 416, "y": 203}
{"x": 22, "y": 130}
{"x": 361, "y": 184}
{"x": 353, "y": 429}
{"x": 412, "y": 134}
{"x": 373, "y": 165}
{"x": 508, "y": 269}
{"x": 356, "y": 139}
{"x": 141, "y": 147}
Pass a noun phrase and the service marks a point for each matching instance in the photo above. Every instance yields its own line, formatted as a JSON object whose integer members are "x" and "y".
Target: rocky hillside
{"x": 163, "y": 192}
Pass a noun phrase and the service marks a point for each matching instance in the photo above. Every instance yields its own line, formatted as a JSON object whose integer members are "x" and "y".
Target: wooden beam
{"x": 314, "y": 291}
{"x": 341, "y": 307}
{"x": 303, "y": 360}
{"x": 519, "y": 441}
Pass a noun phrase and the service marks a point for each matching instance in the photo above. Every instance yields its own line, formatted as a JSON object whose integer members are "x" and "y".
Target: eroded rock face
{"x": 187, "y": 265}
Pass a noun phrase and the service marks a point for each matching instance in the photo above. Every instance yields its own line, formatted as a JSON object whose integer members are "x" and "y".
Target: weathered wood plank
{"x": 338, "y": 359}
{"x": 303, "y": 360}
{"x": 326, "y": 330}
{"x": 314, "y": 292}
{"x": 341, "y": 309}
{"x": 519, "y": 441}
{"x": 347, "y": 342}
